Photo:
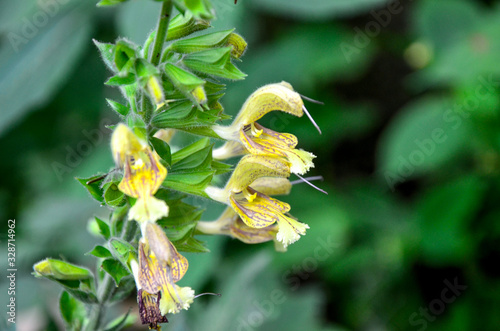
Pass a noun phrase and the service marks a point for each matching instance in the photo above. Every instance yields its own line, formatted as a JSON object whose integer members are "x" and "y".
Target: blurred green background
{"x": 409, "y": 235}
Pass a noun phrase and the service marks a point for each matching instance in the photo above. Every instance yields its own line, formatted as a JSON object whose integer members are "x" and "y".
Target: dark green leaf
{"x": 162, "y": 148}
{"x": 115, "y": 269}
{"x": 72, "y": 311}
{"x": 93, "y": 185}
{"x": 121, "y": 322}
{"x": 103, "y": 228}
{"x": 118, "y": 107}
{"x": 100, "y": 251}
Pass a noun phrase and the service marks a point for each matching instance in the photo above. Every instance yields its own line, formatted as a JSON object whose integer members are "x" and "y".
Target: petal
{"x": 272, "y": 186}
{"x": 175, "y": 298}
{"x": 149, "y": 271}
{"x": 270, "y": 97}
{"x": 228, "y": 150}
{"x": 124, "y": 143}
{"x": 290, "y": 230}
{"x": 158, "y": 242}
{"x": 257, "y": 214}
{"x": 248, "y": 235}
{"x": 148, "y": 209}
{"x": 149, "y": 309}
{"x": 301, "y": 161}
{"x": 252, "y": 167}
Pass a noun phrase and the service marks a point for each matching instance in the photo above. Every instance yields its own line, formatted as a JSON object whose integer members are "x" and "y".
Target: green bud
{"x": 203, "y": 42}
{"x": 60, "y": 270}
{"x": 215, "y": 62}
{"x": 184, "y": 25}
{"x": 189, "y": 84}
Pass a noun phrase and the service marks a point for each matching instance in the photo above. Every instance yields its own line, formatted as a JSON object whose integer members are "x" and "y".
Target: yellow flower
{"x": 160, "y": 267}
{"x": 256, "y": 209}
{"x": 259, "y": 140}
{"x": 143, "y": 174}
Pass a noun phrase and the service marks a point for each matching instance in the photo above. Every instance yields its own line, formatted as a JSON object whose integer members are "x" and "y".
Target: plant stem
{"x": 161, "y": 35}
{"x": 107, "y": 286}
{"x": 161, "y": 31}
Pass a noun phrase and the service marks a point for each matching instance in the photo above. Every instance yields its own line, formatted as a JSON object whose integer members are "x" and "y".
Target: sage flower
{"x": 259, "y": 140}
{"x": 256, "y": 209}
{"x": 160, "y": 267}
{"x": 143, "y": 174}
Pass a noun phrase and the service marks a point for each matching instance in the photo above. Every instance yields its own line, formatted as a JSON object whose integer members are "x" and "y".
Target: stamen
{"x": 311, "y": 119}
{"x": 311, "y": 100}
{"x": 311, "y": 184}
{"x": 298, "y": 181}
{"x": 202, "y": 294}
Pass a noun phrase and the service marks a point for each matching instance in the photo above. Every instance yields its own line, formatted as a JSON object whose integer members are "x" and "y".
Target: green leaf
{"x": 118, "y": 107}
{"x": 127, "y": 285}
{"x": 93, "y": 185}
{"x": 121, "y": 322}
{"x": 115, "y": 269}
{"x": 199, "y": 8}
{"x": 185, "y": 24}
{"x": 192, "y": 183}
{"x": 124, "y": 56}
{"x": 162, "y": 148}
{"x": 220, "y": 167}
{"x": 188, "y": 150}
{"x": 107, "y": 52}
{"x": 191, "y": 245}
{"x": 144, "y": 69}
{"x": 100, "y": 251}
{"x": 423, "y": 137}
{"x": 121, "y": 250}
{"x": 445, "y": 237}
{"x": 103, "y": 228}
{"x": 113, "y": 196}
{"x": 72, "y": 311}
{"x": 104, "y": 3}
{"x": 215, "y": 62}
{"x": 121, "y": 80}
{"x": 197, "y": 160}
{"x": 317, "y": 9}
{"x": 203, "y": 42}
{"x": 32, "y": 70}
{"x": 180, "y": 76}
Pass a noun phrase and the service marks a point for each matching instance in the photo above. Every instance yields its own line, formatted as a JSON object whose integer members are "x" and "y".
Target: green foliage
{"x": 409, "y": 152}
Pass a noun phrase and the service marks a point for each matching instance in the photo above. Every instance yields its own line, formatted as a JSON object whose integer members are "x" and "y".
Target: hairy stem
{"x": 161, "y": 32}
{"x": 107, "y": 286}
{"x": 155, "y": 56}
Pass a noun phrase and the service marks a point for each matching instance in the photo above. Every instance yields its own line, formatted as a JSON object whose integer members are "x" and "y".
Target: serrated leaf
{"x": 178, "y": 232}
{"x": 93, "y": 185}
{"x": 162, "y": 148}
{"x": 100, "y": 251}
{"x": 220, "y": 167}
{"x": 115, "y": 269}
{"x": 72, "y": 311}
